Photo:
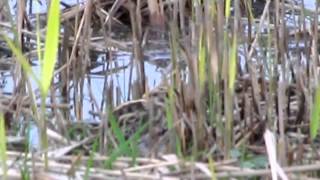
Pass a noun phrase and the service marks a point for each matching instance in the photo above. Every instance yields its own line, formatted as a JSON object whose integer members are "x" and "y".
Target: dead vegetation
{"x": 223, "y": 78}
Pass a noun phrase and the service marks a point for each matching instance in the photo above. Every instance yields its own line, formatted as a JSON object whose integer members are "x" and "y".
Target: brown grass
{"x": 215, "y": 116}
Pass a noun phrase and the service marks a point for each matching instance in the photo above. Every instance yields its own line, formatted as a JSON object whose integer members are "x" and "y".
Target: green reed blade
{"x": 315, "y": 115}
{"x": 124, "y": 146}
{"x": 228, "y": 9}
{"x": 51, "y": 46}
{"x": 233, "y": 65}
{"x": 118, "y": 133}
{"x": 212, "y": 168}
{"x": 3, "y": 147}
{"x": 202, "y": 61}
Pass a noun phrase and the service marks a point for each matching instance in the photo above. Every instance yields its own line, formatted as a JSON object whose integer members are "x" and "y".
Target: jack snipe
{"x": 151, "y": 109}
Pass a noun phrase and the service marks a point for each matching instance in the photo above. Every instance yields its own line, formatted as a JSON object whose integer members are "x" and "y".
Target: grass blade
{"x": 202, "y": 61}
{"x": 124, "y": 146}
{"x": 51, "y": 46}
{"x": 233, "y": 65}
{"x": 118, "y": 133}
{"x": 315, "y": 115}
{"x": 227, "y": 8}
{"x": 3, "y": 147}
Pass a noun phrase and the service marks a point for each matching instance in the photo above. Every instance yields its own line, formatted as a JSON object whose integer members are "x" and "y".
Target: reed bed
{"x": 237, "y": 94}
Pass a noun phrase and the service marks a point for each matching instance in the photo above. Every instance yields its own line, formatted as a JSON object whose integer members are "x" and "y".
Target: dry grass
{"x": 233, "y": 73}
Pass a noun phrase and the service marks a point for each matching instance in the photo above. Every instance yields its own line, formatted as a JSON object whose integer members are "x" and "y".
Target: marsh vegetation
{"x": 152, "y": 89}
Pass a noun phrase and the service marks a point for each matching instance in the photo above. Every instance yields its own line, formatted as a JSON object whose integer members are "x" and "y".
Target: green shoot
{"x": 3, "y": 147}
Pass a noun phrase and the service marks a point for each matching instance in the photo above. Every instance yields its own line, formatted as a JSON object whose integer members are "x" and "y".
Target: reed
{"x": 3, "y": 148}
{"x": 47, "y": 66}
{"x": 236, "y": 69}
